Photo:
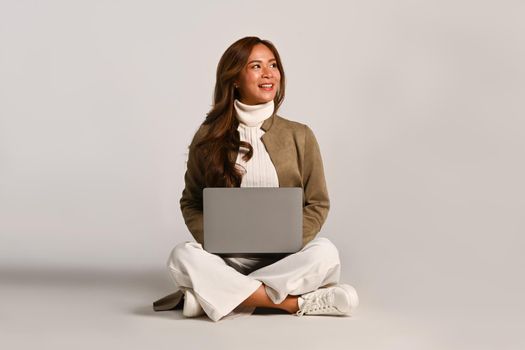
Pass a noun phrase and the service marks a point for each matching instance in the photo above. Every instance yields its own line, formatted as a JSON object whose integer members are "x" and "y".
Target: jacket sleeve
{"x": 316, "y": 201}
{"x": 191, "y": 200}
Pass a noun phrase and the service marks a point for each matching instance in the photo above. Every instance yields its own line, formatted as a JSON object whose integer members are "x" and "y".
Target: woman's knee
{"x": 183, "y": 253}
{"x": 324, "y": 248}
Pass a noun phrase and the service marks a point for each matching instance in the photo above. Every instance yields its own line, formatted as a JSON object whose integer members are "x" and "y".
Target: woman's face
{"x": 259, "y": 80}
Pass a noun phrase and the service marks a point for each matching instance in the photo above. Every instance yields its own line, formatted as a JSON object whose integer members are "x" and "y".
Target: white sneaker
{"x": 191, "y": 308}
{"x": 338, "y": 300}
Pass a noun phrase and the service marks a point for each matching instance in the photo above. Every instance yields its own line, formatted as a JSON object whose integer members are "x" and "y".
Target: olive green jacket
{"x": 295, "y": 154}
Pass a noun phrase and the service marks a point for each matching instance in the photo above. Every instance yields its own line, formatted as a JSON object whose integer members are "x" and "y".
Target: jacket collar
{"x": 277, "y": 143}
{"x": 267, "y": 124}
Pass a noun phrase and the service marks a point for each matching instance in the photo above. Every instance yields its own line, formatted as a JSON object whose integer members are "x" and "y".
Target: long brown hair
{"x": 221, "y": 142}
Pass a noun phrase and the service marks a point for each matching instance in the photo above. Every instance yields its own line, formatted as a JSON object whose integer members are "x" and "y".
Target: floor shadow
{"x": 154, "y": 282}
{"x": 175, "y": 314}
{"x": 268, "y": 311}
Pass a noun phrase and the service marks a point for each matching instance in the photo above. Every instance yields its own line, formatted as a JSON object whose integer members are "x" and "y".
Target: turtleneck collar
{"x": 253, "y": 115}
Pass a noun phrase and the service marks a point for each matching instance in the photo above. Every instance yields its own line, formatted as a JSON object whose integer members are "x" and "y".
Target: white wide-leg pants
{"x": 221, "y": 284}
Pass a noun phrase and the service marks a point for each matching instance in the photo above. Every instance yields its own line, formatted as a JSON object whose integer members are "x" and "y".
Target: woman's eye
{"x": 273, "y": 65}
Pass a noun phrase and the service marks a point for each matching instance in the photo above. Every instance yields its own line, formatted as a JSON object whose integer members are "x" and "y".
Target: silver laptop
{"x": 253, "y": 221}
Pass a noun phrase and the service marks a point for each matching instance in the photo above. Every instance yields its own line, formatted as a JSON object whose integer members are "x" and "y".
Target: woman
{"x": 243, "y": 142}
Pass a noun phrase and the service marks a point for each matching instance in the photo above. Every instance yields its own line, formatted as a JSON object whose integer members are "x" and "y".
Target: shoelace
{"x": 322, "y": 303}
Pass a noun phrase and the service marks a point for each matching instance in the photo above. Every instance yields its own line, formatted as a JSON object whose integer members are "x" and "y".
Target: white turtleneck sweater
{"x": 259, "y": 171}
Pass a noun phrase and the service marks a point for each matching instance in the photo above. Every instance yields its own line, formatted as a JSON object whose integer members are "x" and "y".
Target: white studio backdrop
{"x": 417, "y": 107}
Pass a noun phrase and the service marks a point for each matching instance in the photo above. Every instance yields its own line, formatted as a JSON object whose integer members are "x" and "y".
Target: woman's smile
{"x": 266, "y": 87}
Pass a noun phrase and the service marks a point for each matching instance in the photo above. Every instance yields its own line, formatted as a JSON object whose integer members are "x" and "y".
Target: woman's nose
{"x": 267, "y": 72}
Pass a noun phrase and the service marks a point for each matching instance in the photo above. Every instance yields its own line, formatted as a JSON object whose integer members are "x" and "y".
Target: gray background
{"x": 417, "y": 107}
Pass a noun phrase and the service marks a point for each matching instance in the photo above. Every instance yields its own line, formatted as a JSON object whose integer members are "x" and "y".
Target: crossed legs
{"x": 220, "y": 288}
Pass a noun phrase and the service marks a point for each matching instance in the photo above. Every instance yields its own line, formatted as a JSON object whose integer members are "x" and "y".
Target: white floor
{"x": 49, "y": 308}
